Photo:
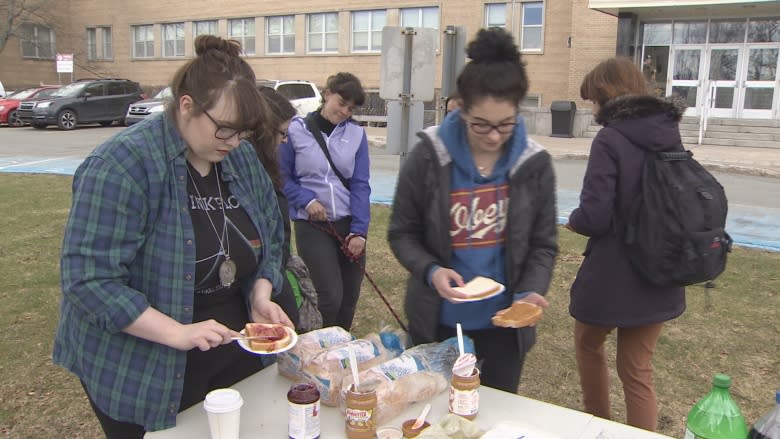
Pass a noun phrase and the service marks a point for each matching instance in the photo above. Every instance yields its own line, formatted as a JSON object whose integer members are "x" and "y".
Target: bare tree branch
{"x": 14, "y": 13}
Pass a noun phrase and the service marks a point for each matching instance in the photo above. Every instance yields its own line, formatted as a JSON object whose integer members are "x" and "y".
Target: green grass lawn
{"x": 733, "y": 328}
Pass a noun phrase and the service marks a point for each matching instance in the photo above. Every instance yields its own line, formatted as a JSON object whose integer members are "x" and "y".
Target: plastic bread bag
{"x": 327, "y": 368}
{"x": 290, "y": 364}
{"x": 418, "y": 374}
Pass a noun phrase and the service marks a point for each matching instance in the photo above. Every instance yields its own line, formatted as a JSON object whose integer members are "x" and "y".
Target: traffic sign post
{"x": 406, "y": 81}
{"x": 64, "y": 65}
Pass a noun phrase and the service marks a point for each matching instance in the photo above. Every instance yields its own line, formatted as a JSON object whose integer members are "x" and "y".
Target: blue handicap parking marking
{"x": 749, "y": 226}
{"x": 39, "y": 165}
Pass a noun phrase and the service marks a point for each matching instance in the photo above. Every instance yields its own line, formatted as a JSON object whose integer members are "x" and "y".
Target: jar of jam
{"x": 303, "y": 416}
{"x": 464, "y": 395}
{"x": 359, "y": 416}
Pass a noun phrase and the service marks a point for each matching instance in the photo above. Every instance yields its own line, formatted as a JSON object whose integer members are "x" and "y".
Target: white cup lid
{"x": 223, "y": 401}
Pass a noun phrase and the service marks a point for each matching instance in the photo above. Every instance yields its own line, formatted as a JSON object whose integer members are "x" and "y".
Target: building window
{"x": 367, "y": 30}
{"x": 533, "y": 26}
{"x": 243, "y": 30}
{"x": 173, "y": 39}
{"x": 280, "y": 35}
{"x": 108, "y": 43}
{"x": 143, "y": 41}
{"x": 91, "y": 43}
{"x": 421, "y": 17}
{"x": 495, "y": 15}
{"x": 322, "y": 33}
{"x": 764, "y": 30}
{"x": 37, "y": 41}
{"x": 204, "y": 28}
{"x": 103, "y": 51}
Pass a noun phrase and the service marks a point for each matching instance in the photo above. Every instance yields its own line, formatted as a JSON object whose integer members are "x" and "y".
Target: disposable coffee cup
{"x": 224, "y": 410}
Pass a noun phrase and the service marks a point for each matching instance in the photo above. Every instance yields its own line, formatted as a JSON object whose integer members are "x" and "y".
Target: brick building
{"x": 147, "y": 40}
{"x": 683, "y": 44}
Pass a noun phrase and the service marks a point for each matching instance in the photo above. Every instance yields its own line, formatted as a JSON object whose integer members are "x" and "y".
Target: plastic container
{"x": 303, "y": 415}
{"x": 768, "y": 427}
{"x": 410, "y": 432}
{"x": 716, "y": 416}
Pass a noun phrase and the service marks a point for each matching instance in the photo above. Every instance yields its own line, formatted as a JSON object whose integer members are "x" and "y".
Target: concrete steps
{"x": 744, "y": 133}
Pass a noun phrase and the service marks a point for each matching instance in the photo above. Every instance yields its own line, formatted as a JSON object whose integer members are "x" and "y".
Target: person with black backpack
{"x": 609, "y": 293}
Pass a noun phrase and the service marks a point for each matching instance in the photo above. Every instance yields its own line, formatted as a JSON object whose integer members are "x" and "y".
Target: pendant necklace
{"x": 227, "y": 269}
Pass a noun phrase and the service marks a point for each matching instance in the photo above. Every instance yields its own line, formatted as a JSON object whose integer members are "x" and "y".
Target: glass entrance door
{"x": 684, "y": 80}
{"x": 759, "y": 91}
{"x": 724, "y": 66}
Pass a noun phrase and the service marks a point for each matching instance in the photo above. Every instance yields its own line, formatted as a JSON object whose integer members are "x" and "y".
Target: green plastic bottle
{"x": 716, "y": 416}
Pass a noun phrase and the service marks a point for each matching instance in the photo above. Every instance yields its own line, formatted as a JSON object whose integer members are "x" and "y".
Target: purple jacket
{"x": 607, "y": 291}
{"x": 307, "y": 175}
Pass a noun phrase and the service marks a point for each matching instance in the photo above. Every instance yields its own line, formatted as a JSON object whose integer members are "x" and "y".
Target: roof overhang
{"x": 686, "y": 8}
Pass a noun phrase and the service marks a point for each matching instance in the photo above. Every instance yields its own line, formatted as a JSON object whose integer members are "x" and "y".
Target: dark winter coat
{"x": 607, "y": 291}
{"x": 419, "y": 233}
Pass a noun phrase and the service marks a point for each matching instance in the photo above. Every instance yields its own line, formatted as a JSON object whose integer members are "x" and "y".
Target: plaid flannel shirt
{"x": 129, "y": 245}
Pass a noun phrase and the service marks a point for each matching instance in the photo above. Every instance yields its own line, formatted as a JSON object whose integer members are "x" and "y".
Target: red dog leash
{"x": 331, "y": 230}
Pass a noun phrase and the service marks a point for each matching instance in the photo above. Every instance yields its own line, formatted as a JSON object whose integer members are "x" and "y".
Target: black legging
{"x": 500, "y": 355}
{"x": 336, "y": 278}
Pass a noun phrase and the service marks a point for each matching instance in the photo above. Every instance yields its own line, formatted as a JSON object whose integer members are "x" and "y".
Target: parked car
{"x": 9, "y": 104}
{"x": 3, "y": 93}
{"x": 138, "y": 111}
{"x": 100, "y": 101}
{"x": 303, "y": 95}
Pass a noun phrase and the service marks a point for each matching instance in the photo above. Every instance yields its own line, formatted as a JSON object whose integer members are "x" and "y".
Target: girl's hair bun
{"x": 493, "y": 45}
{"x": 205, "y": 43}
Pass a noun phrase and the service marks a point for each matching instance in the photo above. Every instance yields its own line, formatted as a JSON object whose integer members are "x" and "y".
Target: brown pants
{"x": 635, "y": 347}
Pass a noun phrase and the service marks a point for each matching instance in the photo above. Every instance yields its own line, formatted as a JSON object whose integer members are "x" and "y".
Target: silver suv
{"x": 303, "y": 95}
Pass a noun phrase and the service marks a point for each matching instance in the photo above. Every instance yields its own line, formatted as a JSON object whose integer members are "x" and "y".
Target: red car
{"x": 9, "y": 104}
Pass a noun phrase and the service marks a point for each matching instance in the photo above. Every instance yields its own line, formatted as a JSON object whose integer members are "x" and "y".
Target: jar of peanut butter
{"x": 464, "y": 395}
{"x": 359, "y": 416}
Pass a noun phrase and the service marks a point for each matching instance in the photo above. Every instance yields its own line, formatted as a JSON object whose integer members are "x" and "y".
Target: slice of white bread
{"x": 271, "y": 337}
{"x": 519, "y": 315}
{"x": 479, "y": 287}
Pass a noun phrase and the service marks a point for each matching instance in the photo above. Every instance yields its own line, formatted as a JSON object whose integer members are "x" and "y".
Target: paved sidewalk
{"x": 751, "y": 161}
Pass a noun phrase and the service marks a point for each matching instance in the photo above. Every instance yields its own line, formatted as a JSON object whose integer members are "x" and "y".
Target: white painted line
{"x": 28, "y": 163}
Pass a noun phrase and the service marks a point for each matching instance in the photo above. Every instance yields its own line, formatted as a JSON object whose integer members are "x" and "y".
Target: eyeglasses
{"x": 226, "y": 133}
{"x": 283, "y": 133}
{"x": 484, "y": 128}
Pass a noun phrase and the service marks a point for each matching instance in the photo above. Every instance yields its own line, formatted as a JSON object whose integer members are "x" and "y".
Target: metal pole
{"x": 448, "y": 70}
{"x": 406, "y": 92}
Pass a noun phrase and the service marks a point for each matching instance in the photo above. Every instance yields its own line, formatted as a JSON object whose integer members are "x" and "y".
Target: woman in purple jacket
{"x": 607, "y": 293}
{"x": 330, "y": 207}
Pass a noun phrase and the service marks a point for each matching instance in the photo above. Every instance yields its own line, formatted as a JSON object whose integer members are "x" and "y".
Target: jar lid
{"x": 223, "y": 401}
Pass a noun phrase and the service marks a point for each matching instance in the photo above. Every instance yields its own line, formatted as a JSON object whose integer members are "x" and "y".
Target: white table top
{"x": 264, "y": 414}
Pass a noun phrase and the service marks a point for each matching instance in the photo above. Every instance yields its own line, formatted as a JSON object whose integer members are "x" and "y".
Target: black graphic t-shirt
{"x": 238, "y": 235}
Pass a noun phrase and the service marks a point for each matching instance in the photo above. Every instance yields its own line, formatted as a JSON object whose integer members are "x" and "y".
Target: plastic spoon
{"x": 421, "y": 419}
{"x": 460, "y": 339}
{"x": 353, "y": 366}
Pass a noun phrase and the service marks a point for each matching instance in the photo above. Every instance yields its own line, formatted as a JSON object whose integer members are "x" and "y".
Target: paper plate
{"x": 293, "y": 339}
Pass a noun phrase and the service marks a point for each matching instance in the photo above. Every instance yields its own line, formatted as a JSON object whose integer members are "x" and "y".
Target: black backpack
{"x": 674, "y": 233}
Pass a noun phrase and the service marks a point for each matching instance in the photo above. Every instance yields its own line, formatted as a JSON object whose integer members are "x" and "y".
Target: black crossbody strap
{"x": 311, "y": 124}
